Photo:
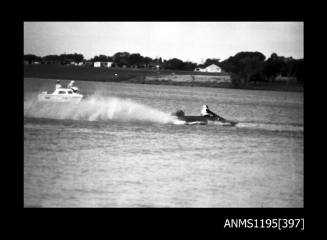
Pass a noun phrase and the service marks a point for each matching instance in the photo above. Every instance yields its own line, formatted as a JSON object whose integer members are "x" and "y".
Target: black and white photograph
{"x": 163, "y": 114}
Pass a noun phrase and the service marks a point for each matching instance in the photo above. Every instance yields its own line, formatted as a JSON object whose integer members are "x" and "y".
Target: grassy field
{"x": 145, "y": 76}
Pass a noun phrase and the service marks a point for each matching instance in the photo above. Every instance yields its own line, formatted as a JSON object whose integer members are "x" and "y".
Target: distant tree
{"x": 72, "y": 57}
{"x": 299, "y": 72}
{"x": 290, "y": 67}
{"x": 273, "y": 67}
{"x": 64, "y": 58}
{"x": 146, "y": 61}
{"x": 32, "y": 58}
{"x": 243, "y": 66}
{"x": 258, "y": 77}
{"x": 189, "y": 66}
{"x": 101, "y": 58}
{"x": 175, "y": 64}
{"x": 135, "y": 59}
{"x": 52, "y": 58}
{"x": 121, "y": 58}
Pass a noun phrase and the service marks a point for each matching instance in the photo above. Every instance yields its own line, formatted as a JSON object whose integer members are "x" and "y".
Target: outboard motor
{"x": 75, "y": 89}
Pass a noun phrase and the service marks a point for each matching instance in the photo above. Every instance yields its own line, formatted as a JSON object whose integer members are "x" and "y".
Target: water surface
{"x": 119, "y": 148}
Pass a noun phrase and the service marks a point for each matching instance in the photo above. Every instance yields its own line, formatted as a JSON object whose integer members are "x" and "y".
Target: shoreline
{"x": 142, "y": 76}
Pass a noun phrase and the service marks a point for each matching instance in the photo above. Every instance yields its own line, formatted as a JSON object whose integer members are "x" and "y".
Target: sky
{"x": 188, "y": 41}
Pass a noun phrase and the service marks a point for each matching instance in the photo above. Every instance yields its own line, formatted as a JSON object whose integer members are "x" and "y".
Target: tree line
{"x": 246, "y": 67}
{"x": 243, "y": 67}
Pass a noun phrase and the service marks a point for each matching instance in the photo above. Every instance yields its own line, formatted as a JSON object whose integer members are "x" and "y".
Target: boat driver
{"x": 58, "y": 85}
{"x": 71, "y": 84}
{"x": 72, "y": 87}
{"x": 205, "y": 111}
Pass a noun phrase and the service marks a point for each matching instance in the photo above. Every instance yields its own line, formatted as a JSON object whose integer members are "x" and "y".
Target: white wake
{"x": 96, "y": 108}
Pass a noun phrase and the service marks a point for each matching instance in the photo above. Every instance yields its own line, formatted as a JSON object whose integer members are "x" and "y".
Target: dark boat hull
{"x": 205, "y": 119}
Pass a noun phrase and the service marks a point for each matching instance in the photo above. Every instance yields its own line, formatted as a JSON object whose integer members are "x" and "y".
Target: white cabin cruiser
{"x": 70, "y": 95}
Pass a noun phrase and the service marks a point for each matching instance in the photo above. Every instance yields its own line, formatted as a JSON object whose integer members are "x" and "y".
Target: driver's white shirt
{"x": 204, "y": 112}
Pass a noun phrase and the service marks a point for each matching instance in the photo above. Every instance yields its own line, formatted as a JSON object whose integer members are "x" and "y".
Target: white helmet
{"x": 205, "y": 106}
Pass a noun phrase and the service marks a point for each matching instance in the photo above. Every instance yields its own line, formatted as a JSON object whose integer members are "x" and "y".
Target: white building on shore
{"x": 211, "y": 68}
{"x": 102, "y": 64}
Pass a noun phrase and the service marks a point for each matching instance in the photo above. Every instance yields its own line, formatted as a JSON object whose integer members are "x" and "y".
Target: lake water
{"x": 120, "y": 148}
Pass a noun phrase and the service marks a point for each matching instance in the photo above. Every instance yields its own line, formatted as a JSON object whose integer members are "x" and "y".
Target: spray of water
{"x": 96, "y": 108}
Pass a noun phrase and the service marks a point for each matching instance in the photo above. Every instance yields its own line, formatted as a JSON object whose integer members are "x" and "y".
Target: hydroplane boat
{"x": 70, "y": 95}
{"x": 203, "y": 120}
